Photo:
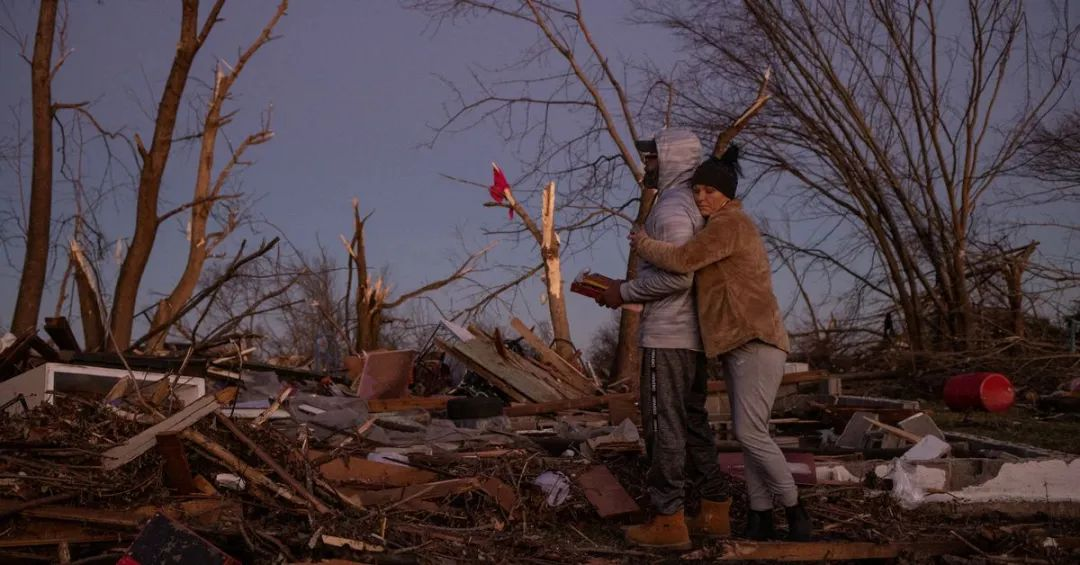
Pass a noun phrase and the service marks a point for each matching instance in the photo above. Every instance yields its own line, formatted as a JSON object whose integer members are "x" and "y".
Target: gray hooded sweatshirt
{"x": 669, "y": 319}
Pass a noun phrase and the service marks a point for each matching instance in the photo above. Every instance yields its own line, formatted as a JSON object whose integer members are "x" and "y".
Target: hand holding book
{"x": 602, "y": 289}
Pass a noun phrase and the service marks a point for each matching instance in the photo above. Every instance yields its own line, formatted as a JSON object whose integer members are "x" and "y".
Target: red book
{"x": 593, "y": 285}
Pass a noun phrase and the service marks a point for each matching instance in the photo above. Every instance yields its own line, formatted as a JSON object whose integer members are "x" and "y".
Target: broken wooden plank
{"x": 144, "y": 441}
{"x": 266, "y": 458}
{"x": 834, "y": 550}
{"x": 335, "y": 541}
{"x": 564, "y": 370}
{"x": 60, "y": 331}
{"x": 407, "y": 403}
{"x": 545, "y": 374}
{"x": 239, "y": 466}
{"x": 177, "y": 470}
{"x": 438, "y": 489}
{"x": 606, "y": 494}
{"x": 357, "y": 470}
{"x": 789, "y": 379}
{"x": 480, "y": 352}
{"x": 492, "y": 378}
{"x": 895, "y": 431}
{"x": 93, "y": 516}
{"x": 501, "y": 492}
{"x": 19, "y": 507}
{"x": 584, "y": 403}
{"x": 274, "y": 407}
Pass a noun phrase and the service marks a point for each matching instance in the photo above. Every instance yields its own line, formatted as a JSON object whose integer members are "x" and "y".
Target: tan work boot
{"x": 662, "y": 532}
{"x": 713, "y": 520}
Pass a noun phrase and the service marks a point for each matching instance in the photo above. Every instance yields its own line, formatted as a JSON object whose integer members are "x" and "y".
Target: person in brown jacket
{"x": 741, "y": 324}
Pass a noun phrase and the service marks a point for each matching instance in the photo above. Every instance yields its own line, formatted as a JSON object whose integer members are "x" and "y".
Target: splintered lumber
{"x": 370, "y": 473}
{"x": 144, "y": 441}
{"x": 93, "y": 516}
{"x": 564, "y": 370}
{"x": 584, "y": 403}
{"x": 482, "y": 357}
{"x": 239, "y": 466}
{"x": 55, "y": 534}
{"x": 606, "y": 494}
{"x": 30, "y": 504}
{"x": 481, "y": 370}
{"x": 266, "y": 458}
{"x": 177, "y": 470}
{"x": 501, "y": 492}
{"x": 357, "y": 545}
{"x": 833, "y": 550}
{"x": 438, "y": 489}
{"x": 789, "y": 379}
{"x": 902, "y": 434}
{"x": 408, "y": 403}
{"x": 544, "y": 374}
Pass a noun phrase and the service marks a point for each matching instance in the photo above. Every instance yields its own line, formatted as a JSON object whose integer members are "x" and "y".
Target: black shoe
{"x": 759, "y": 525}
{"x": 799, "y": 525}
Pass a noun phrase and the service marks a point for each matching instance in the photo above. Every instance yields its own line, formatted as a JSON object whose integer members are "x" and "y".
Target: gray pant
{"x": 681, "y": 445}
{"x": 753, "y": 373}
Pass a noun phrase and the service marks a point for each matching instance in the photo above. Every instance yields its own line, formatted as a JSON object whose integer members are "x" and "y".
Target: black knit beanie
{"x": 720, "y": 173}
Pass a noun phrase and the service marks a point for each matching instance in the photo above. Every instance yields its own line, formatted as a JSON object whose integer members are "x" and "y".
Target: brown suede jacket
{"x": 733, "y": 282}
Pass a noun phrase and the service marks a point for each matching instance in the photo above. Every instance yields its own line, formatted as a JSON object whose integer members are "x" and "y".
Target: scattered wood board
{"x": 438, "y": 489}
{"x": 480, "y": 369}
{"x": 407, "y": 403}
{"x": 479, "y": 353}
{"x": 563, "y": 369}
{"x": 356, "y": 545}
{"x": 584, "y": 403}
{"x": 606, "y": 494}
{"x": 144, "y": 441}
{"x": 902, "y": 434}
{"x": 356, "y": 470}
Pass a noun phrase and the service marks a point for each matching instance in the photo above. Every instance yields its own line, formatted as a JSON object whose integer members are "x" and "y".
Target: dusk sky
{"x": 355, "y": 88}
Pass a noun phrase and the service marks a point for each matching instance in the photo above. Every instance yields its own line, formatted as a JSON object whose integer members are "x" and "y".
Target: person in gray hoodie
{"x": 681, "y": 446}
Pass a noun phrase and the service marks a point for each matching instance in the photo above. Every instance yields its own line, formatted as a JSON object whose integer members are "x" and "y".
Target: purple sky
{"x": 354, "y": 89}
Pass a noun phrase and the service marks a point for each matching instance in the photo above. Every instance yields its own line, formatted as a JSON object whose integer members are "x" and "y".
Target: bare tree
{"x": 36, "y": 257}
{"x": 895, "y": 131}
{"x": 591, "y": 163}
{"x": 153, "y": 162}
{"x": 208, "y": 189}
{"x": 373, "y": 299}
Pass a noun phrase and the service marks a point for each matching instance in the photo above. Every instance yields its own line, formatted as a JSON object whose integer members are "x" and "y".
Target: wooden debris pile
{"x": 274, "y": 465}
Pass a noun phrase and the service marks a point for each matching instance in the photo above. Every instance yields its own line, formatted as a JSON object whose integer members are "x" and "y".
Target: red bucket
{"x": 991, "y": 392}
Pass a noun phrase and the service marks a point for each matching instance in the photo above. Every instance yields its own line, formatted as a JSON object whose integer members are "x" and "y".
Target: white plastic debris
{"x": 230, "y": 481}
{"x": 905, "y": 489}
{"x": 928, "y": 448}
{"x": 555, "y": 485}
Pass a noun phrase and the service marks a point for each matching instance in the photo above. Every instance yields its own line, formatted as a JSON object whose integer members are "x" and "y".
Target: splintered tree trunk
{"x": 153, "y": 167}
{"x": 368, "y": 296}
{"x": 36, "y": 258}
{"x": 549, "y": 250}
{"x": 89, "y": 304}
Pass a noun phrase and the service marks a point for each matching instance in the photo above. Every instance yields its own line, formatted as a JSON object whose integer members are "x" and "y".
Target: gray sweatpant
{"x": 681, "y": 445}
{"x": 753, "y": 373}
